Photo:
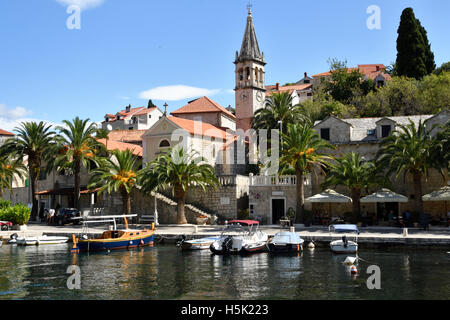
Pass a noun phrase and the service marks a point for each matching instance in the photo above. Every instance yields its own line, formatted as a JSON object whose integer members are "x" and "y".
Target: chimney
{"x": 306, "y": 75}
{"x": 378, "y": 68}
{"x": 128, "y": 108}
{"x": 278, "y": 86}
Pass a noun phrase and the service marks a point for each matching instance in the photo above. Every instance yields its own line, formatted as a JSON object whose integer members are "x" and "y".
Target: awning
{"x": 442, "y": 194}
{"x": 244, "y": 222}
{"x": 329, "y": 195}
{"x": 65, "y": 191}
{"x": 384, "y": 195}
{"x": 345, "y": 228}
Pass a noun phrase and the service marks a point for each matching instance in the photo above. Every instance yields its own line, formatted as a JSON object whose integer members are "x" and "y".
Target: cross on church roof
{"x": 249, "y": 7}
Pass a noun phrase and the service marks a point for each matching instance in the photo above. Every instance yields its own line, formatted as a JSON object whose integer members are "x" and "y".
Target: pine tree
{"x": 411, "y": 48}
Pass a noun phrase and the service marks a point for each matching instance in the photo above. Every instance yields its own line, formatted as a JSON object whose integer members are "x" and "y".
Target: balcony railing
{"x": 275, "y": 180}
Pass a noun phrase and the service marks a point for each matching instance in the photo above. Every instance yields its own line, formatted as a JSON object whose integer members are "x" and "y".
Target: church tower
{"x": 250, "y": 74}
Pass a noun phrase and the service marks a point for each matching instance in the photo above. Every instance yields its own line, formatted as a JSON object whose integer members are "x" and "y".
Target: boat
{"x": 344, "y": 245}
{"x": 240, "y": 236}
{"x": 285, "y": 241}
{"x": 40, "y": 240}
{"x": 112, "y": 239}
{"x": 197, "y": 244}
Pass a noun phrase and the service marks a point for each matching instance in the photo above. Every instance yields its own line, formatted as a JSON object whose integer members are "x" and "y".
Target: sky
{"x": 173, "y": 51}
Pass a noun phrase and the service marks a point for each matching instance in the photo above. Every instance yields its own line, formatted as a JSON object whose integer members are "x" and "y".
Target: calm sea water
{"x": 164, "y": 272}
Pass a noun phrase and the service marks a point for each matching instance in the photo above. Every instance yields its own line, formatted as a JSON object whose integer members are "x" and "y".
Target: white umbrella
{"x": 329, "y": 195}
{"x": 384, "y": 195}
{"x": 442, "y": 194}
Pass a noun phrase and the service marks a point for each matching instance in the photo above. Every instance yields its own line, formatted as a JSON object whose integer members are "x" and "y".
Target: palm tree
{"x": 179, "y": 170}
{"x": 303, "y": 150}
{"x": 77, "y": 148}
{"x": 353, "y": 172}
{"x": 409, "y": 149}
{"x": 10, "y": 168}
{"x": 33, "y": 141}
{"x": 278, "y": 107}
{"x": 119, "y": 173}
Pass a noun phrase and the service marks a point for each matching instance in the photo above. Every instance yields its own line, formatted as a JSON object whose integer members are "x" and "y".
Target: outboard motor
{"x": 344, "y": 239}
{"x": 227, "y": 244}
{"x": 183, "y": 239}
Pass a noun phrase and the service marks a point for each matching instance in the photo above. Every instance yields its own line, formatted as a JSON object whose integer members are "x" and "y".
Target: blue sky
{"x": 125, "y": 48}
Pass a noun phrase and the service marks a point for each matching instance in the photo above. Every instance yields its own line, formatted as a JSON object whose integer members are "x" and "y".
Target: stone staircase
{"x": 202, "y": 216}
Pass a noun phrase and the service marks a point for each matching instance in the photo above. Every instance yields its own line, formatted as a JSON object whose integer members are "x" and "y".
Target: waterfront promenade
{"x": 376, "y": 236}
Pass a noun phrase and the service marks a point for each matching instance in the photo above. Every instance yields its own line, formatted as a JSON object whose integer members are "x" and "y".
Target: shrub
{"x": 18, "y": 214}
{"x": 4, "y": 203}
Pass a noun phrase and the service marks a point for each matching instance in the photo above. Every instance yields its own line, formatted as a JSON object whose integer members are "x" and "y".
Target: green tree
{"x": 303, "y": 150}
{"x": 434, "y": 93}
{"x": 33, "y": 143}
{"x": 443, "y": 68}
{"x": 429, "y": 55}
{"x": 179, "y": 170}
{"x": 77, "y": 148}
{"x": 278, "y": 107}
{"x": 118, "y": 173}
{"x": 356, "y": 174}
{"x": 408, "y": 150}
{"x": 10, "y": 168}
{"x": 411, "y": 47}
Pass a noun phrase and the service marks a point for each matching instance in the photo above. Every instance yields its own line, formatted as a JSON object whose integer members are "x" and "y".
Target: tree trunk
{"x": 356, "y": 205}
{"x": 181, "y": 197}
{"x": 126, "y": 202}
{"x": 77, "y": 184}
{"x": 300, "y": 208}
{"x": 417, "y": 178}
{"x": 32, "y": 171}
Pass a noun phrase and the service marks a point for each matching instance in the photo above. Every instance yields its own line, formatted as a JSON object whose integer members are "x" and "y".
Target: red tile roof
{"x": 201, "y": 105}
{"x": 296, "y": 87}
{"x": 5, "y": 133}
{"x": 206, "y": 129}
{"x": 126, "y": 135}
{"x": 365, "y": 69}
{"x": 133, "y": 112}
{"x": 122, "y": 146}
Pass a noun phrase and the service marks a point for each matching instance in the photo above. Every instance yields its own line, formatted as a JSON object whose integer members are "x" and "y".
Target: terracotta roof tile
{"x": 122, "y": 146}
{"x": 203, "y": 104}
{"x": 5, "y": 133}
{"x": 207, "y": 129}
{"x": 126, "y": 135}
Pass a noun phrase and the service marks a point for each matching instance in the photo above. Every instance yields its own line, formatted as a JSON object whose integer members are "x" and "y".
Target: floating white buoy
{"x": 353, "y": 270}
{"x": 350, "y": 261}
{"x": 311, "y": 245}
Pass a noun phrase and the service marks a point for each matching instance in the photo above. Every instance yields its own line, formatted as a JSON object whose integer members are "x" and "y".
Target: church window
{"x": 164, "y": 144}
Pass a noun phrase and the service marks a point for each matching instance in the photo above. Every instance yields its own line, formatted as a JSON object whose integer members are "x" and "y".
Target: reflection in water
{"x": 165, "y": 272}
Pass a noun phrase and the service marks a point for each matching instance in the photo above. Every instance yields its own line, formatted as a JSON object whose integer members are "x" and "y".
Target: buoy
{"x": 311, "y": 245}
{"x": 353, "y": 270}
{"x": 142, "y": 242}
{"x": 298, "y": 247}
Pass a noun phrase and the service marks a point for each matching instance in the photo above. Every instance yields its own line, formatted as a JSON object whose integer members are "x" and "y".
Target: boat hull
{"x": 339, "y": 247}
{"x": 198, "y": 244}
{"x": 247, "y": 249}
{"x": 32, "y": 241}
{"x": 285, "y": 248}
{"x": 115, "y": 244}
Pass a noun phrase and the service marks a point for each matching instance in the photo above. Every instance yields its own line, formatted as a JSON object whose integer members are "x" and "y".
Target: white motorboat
{"x": 40, "y": 240}
{"x": 197, "y": 244}
{"x": 344, "y": 245}
{"x": 240, "y": 236}
{"x": 285, "y": 241}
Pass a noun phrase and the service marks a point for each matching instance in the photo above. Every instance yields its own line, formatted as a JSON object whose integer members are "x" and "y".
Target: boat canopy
{"x": 244, "y": 222}
{"x": 345, "y": 228}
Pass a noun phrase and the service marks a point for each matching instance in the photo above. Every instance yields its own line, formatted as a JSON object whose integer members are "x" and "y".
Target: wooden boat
{"x": 197, "y": 244}
{"x": 237, "y": 239}
{"x": 40, "y": 240}
{"x": 114, "y": 239}
{"x": 344, "y": 245}
{"x": 285, "y": 241}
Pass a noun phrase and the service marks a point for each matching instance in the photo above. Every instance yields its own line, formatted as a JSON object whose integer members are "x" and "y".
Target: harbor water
{"x": 165, "y": 272}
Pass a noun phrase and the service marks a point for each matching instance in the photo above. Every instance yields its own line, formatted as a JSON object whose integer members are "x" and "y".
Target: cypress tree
{"x": 429, "y": 55}
{"x": 411, "y": 59}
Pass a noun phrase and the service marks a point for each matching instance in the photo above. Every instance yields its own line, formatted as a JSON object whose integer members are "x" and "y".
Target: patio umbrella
{"x": 384, "y": 195}
{"x": 442, "y": 194}
{"x": 329, "y": 195}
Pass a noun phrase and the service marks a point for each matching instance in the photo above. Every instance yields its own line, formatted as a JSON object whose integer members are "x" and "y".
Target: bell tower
{"x": 250, "y": 74}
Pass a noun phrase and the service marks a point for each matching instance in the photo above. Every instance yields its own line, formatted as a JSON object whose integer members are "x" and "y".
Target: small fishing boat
{"x": 113, "y": 239}
{"x": 344, "y": 245}
{"x": 285, "y": 241}
{"x": 197, "y": 244}
{"x": 240, "y": 236}
{"x": 40, "y": 240}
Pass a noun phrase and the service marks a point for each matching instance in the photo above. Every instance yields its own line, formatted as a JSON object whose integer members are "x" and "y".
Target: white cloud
{"x": 83, "y": 4}
{"x": 16, "y": 113}
{"x": 176, "y": 92}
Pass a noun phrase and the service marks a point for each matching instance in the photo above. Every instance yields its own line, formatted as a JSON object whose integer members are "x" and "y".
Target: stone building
{"x": 141, "y": 118}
